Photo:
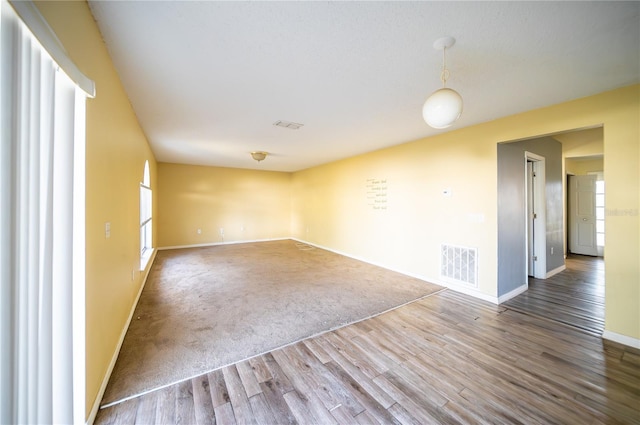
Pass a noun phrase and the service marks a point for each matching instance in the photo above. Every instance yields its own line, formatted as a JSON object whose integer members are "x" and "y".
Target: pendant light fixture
{"x": 444, "y": 106}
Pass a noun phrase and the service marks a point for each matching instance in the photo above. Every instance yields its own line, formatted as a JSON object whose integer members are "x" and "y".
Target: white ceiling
{"x": 208, "y": 79}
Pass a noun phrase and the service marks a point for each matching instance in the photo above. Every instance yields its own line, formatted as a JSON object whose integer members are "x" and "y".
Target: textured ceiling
{"x": 208, "y": 79}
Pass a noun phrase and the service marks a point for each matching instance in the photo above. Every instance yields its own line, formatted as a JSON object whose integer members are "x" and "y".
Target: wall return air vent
{"x": 459, "y": 264}
{"x": 287, "y": 124}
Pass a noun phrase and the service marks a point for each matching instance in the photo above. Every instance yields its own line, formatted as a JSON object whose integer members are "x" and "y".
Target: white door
{"x": 582, "y": 215}
{"x": 531, "y": 216}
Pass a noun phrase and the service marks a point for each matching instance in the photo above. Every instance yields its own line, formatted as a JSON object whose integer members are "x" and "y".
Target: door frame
{"x": 573, "y": 238}
{"x": 540, "y": 223}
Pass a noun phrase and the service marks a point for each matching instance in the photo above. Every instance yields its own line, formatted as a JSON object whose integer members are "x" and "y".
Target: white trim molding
{"x": 540, "y": 224}
{"x": 621, "y": 339}
{"x": 511, "y": 294}
{"x": 555, "y": 271}
{"x": 464, "y": 289}
{"x": 467, "y": 290}
{"x": 199, "y": 245}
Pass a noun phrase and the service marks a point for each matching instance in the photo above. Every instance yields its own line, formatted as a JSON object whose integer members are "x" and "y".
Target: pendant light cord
{"x": 444, "y": 76}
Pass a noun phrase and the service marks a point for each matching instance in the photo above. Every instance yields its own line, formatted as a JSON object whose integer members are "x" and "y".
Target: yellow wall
{"x": 582, "y": 167}
{"x": 582, "y": 143}
{"x": 329, "y": 204}
{"x": 246, "y": 204}
{"x": 116, "y": 152}
{"x": 622, "y": 221}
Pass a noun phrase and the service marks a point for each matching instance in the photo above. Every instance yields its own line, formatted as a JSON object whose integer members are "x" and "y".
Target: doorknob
{"x": 584, "y": 219}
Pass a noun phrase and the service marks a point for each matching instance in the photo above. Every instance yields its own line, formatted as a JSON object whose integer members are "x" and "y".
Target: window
{"x": 146, "y": 208}
{"x": 600, "y": 211}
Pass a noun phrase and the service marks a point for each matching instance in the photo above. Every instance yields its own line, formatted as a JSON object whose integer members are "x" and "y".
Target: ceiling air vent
{"x": 287, "y": 124}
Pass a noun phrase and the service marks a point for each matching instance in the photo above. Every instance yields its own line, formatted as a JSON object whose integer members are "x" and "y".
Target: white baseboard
{"x": 473, "y": 292}
{"x": 514, "y": 293}
{"x": 454, "y": 287}
{"x": 199, "y": 245}
{"x": 123, "y": 333}
{"x": 555, "y": 271}
{"x": 621, "y": 339}
{"x": 364, "y": 260}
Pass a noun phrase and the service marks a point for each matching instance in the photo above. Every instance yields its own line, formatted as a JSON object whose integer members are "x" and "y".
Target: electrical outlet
{"x": 107, "y": 230}
{"x": 221, "y": 231}
{"x": 551, "y": 250}
{"x": 199, "y": 231}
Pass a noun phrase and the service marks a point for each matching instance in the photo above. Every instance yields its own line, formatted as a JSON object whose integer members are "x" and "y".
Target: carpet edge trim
{"x": 113, "y": 403}
{"x": 201, "y": 245}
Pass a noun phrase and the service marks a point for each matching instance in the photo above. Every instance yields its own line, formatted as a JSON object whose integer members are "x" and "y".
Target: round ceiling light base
{"x": 444, "y": 43}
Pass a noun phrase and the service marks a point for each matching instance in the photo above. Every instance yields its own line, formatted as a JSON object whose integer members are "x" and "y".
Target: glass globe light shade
{"x": 259, "y": 155}
{"x": 442, "y": 108}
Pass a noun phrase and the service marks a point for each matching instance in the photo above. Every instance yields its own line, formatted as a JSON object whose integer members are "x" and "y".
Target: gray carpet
{"x": 204, "y": 308}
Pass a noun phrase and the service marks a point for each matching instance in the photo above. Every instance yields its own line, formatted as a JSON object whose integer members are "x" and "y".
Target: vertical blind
{"x": 42, "y": 148}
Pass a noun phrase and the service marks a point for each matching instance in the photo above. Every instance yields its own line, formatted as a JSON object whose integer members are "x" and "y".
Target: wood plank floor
{"x": 448, "y": 358}
{"x": 574, "y": 297}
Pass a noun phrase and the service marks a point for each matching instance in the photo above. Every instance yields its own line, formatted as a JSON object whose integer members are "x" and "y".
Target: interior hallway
{"x": 573, "y": 297}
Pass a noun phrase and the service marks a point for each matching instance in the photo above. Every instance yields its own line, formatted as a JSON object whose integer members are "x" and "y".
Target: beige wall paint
{"x": 622, "y": 221}
{"x": 331, "y": 209}
{"x": 582, "y": 167}
{"x": 582, "y": 143}
{"x": 246, "y": 204}
{"x": 330, "y": 206}
{"x": 115, "y": 156}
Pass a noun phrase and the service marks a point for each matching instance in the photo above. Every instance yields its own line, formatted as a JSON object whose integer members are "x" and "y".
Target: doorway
{"x": 582, "y": 215}
{"x": 585, "y": 214}
{"x": 520, "y": 252}
{"x": 528, "y": 245}
{"x": 535, "y": 215}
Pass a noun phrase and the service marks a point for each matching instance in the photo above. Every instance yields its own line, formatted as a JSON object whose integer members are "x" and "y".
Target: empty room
{"x": 320, "y": 212}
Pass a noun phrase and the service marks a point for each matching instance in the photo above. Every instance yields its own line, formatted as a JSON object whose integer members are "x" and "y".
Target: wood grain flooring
{"x": 448, "y": 358}
{"x": 574, "y": 297}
